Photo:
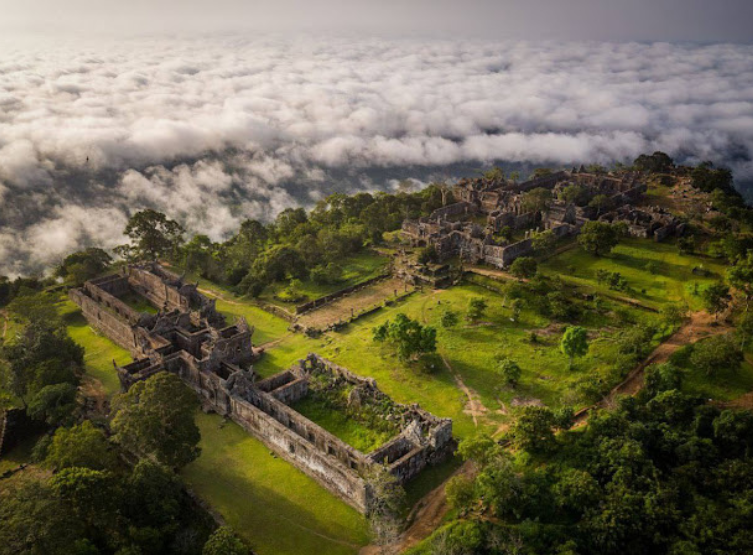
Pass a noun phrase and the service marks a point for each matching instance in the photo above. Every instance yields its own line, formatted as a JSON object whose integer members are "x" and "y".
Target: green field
{"x": 673, "y": 279}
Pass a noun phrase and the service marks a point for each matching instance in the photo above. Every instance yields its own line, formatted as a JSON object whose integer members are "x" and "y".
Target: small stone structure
{"x": 189, "y": 338}
{"x": 454, "y": 230}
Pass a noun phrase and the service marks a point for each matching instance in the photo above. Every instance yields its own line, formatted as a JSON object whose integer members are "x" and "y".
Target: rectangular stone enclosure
{"x": 190, "y": 338}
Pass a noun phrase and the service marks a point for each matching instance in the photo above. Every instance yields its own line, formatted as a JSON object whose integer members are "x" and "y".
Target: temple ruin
{"x": 470, "y": 228}
{"x": 188, "y": 337}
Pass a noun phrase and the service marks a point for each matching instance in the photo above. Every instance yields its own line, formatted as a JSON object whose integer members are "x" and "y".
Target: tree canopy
{"x": 156, "y": 418}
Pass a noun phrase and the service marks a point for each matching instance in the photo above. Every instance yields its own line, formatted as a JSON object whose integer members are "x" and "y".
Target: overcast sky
{"x": 618, "y": 20}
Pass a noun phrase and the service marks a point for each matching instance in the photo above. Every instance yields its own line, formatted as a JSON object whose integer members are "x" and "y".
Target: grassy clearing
{"x": 277, "y": 508}
{"x": 726, "y": 385}
{"x": 339, "y": 424}
{"x": 672, "y": 279}
{"x": 355, "y": 269}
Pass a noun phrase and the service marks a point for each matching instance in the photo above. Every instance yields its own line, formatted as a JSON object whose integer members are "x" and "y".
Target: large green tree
{"x": 598, "y": 238}
{"x": 153, "y": 235}
{"x": 574, "y": 342}
{"x": 409, "y": 337}
{"x": 156, "y": 418}
{"x": 82, "y": 445}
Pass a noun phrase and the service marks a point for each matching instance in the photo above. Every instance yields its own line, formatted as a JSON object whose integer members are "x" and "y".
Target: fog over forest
{"x": 216, "y": 129}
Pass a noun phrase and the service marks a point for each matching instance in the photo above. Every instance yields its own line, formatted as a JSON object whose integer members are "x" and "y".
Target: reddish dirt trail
{"x": 700, "y": 325}
{"x": 425, "y": 517}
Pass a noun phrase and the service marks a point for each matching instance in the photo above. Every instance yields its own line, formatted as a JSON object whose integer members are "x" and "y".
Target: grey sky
{"x": 618, "y": 20}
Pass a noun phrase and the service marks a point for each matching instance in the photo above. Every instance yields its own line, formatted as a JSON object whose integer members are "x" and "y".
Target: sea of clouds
{"x": 213, "y": 130}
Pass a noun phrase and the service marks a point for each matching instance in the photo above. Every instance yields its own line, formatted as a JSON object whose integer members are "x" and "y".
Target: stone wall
{"x": 158, "y": 291}
{"x": 119, "y": 331}
{"x": 321, "y": 301}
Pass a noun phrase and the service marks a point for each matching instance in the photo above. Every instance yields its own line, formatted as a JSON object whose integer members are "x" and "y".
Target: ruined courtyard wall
{"x": 157, "y": 291}
{"x": 305, "y": 454}
{"x": 106, "y": 322}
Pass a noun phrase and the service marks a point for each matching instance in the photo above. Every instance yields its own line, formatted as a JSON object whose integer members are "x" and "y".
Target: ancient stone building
{"x": 455, "y": 230}
{"x": 189, "y": 338}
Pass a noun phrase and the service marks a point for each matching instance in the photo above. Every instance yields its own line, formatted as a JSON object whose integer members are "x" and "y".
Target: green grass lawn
{"x": 672, "y": 281}
{"x": 99, "y": 351}
{"x": 355, "y": 269}
{"x": 277, "y": 508}
{"x": 339, "y": 424}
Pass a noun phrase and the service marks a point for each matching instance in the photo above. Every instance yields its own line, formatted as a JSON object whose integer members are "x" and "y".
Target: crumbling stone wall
{"x": 213, "y": 359}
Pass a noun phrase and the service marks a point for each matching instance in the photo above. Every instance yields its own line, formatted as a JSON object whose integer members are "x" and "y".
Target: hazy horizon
{"x": 213, "y": 127}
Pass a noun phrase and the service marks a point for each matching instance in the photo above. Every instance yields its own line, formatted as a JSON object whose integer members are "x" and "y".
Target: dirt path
{"x": 700, "y": 325}
{"x": 475, "y": 407}
{"x": 5, "y": 322}
{"x": 425, "y": 518}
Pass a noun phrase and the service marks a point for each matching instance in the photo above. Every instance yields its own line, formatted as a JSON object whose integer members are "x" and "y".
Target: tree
{"x": 600, "y": 203}
{"x": 84, "y": 265}
{"x": 541, "y": 172}
{"x": 460, "y": 493}
{"x": 536, "y": 200}
{"x": 716, "y": 354}
{"x": 707, "y": 178}
{"x": 410, "y": 337}
{"x": 740, "y": 276}
{"x": 532, "y": 429}
{"x": 153, "y": 235}
{"x": 449, "y": 319}
{"x": 574, "y": 343}
{"x": 510, "y": 371}
{"x": 54, "y": 404}
{"x": 82, "y": 446}
{"x": 480, "y": 449}
{"x": 223, "y": 541}
{"x": 715, "y": 298}
{"x": 573, "y": 194}
{"x": 155, "y": 418}
{"x": 543, "y": 242}
{"x": 42, "y": 355}
{"x": 495, "y": 174}
{"x": 476, "y": 308}
{"x": 198, "y": 255}
{"x": 673, "y": 315}
{"x": 524, "y": 267}
{"x": 598, "y": 238}
{"x": 658, "y": 162}
{"x": 744, "y": 329}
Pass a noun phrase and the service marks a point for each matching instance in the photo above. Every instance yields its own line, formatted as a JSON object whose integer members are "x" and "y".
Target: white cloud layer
{"x": 215, "y": 130}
